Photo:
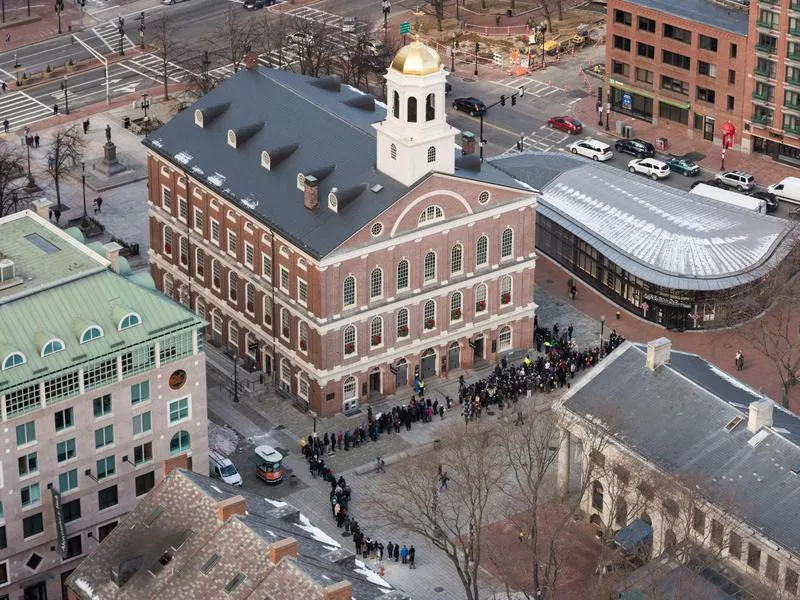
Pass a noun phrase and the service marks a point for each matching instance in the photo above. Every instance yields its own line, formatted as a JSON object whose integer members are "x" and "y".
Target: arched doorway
{"x": 454, "y": 356}
{"x": 401, "y": 373}
{"x": 374, "y": 383}
{"x": 428, "y": 363}
{"x": 477, "y": 348}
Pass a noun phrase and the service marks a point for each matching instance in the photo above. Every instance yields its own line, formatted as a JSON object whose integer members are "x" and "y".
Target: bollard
{"x": 618, "y": 315}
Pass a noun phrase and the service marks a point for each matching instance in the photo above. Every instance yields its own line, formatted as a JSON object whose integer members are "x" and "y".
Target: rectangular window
{"x": 178, "y": 410}
{"x": 4, "y": 575}
{"x": 106, "y": 498}
{"x": 772, "y": 568}
{"x": 28, "y": 464}
{"x": 102, "y": 406}
{"x": 30, "y": 495}
{"x": 754, "y": 557}
{"x": 32, "y": 525}
{"x": 66, "y": 450}
{"x": 74, "y": 547}
{"x": 106, "y": 467}
{"x": 674, "y": 85}
{"x": 622, "y": 43}
{"x": 140, "y": 392}
{"x": 733, "y": 51}
{"x": 249, "y": 253}
{"x": 620, "y": 68}
{"x": 731, "y": 76}
{"x": 231, "y": 242}
{"x": 141, "y": 423}
{"x": 198, "y": 219}
{"x": 284, "y": 283}
{"x": 707, "y": 69}
{"x": 644, "y": 76}
{"x": 68, "y": 481}
{"x": 266, "y": 266}
{"x": 145, "y": 482}
{"x": 706, "y": 95}
{"x": 645, "y": 50}
{"x": 717, "y": 533}
{"x": 214, "y": 231}
{"x": 166, "y": 197}
{"x": 26, "y": 433}
{"x": 71, "y": 510}
{"x": 302, "y": 292}
{"x": 65, "y": 419}
{"x": 104, "y": 436}
{"x": 3, "y": 546}
{"x": 735, "y": 545}
{"x": 677, "y": 33}
{"x": 62, "y": 387}
{"x": 767, "y": 18}
{"x": 622, "y": 17}
{"x": 706, "y": 42}
{"x": 99, "y": 373}
{"x": 675, "y": 59}
{"x": 648, "y": 25}
{"x": 673, "y": 113}
{"x": 143, "y": 453}
{"x": 182, "y": 208}
{"x": 790, "y": 581}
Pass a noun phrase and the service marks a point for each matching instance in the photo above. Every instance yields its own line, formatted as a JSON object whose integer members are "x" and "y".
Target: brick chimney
{"x": 112, "y": 254}
{"x": 467, "y": 142}
{"x": 281, "y": 548}
{"x": 176, "y": 462}
{"x": 235, "y": 505}
{"x": 342, "y": 590}
{"x": 760, "y": 415}
{"x": 311, "y": 192}
{"x": 658, "y": 353}
{"x": 250, "y": 60}
{"x": 42, "y": 207}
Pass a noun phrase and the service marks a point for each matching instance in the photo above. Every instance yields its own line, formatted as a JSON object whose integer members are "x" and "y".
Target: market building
{"x": 338, "y": 247}
{"x": 672, "y": 257}
{"x": 102, "y": 383}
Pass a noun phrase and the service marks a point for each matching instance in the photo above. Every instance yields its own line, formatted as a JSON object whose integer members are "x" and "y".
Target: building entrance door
{"x": 708, "y": 129}
{"x": 375, "y": 382}
{"x": 401, "y": 379}
{"x": 37, "y": 591}
{"x": 454, "y": 356}
{"x": 428, "y": 363}
{"x": 477, "y": 345}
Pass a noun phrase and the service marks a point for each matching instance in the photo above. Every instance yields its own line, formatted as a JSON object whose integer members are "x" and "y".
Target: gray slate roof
{"x": 658, "y": 233}
{"x": 703, "y": 11}
{"x": 675, "y": 417}
{"x": 328, "y": 128}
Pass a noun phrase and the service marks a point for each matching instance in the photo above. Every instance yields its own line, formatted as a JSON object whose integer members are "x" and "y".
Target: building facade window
{"x": 505, "y": 289}
{"x": 481, "y": 292}
{"x": 302, "y": 335}
{"x": 430, "y": 267}
{"x": 376, "y": 284}
{"x": 168, "y": 241}
{"x": 106, "y": 467}
{"x": 250, "y": 298}
{"x": 104, "y": 436}
{"x": 431, "y": 214}
{"x": 482, "y": 251}
{"x": 200, "y": 263}
{"x": 350, "y": 388}
{"x": 432, "y": 154}
{"x": 402, "y": 323}
{"x": 180, "y": 442}
{"x": 178, "y": 410}
{"x": 456, "y": 259}
{"x": 507, "y": 244}
{"x": 429, "y": 314}
{"x": 402, "y": 275}
{"x": 349, "y": 292}
{"x": 376, "y": 332}
{"x": 286, "y": 323}
{"x": 349, "y": 340}
{"x": 233, "y": 285}
{"x": 32, "y": 525}
{"x": 455, "y": 306}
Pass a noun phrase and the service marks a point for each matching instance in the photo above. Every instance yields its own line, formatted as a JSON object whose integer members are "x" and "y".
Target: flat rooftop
{"x": 702, "y": 11}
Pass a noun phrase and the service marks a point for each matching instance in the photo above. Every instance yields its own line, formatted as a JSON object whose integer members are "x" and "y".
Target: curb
{"x": 397, "y": 457}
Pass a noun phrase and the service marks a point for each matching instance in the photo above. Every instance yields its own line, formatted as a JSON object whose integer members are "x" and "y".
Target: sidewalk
{"x": 41, "y": 25}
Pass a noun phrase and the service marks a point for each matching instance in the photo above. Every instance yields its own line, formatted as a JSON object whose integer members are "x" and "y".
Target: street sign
{"x": 405, "y": 28}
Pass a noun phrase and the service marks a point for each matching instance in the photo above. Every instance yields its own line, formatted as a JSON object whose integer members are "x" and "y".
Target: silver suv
{"x": 740, "y": 180}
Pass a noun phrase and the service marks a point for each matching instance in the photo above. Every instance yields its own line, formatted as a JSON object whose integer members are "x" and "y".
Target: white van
{"x": 734, "y": 198}
{"x": 222, "y": 467}
{"x": 787, "y": 189}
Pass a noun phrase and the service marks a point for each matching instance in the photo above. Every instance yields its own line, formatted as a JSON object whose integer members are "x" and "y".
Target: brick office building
{"x": 334, "y": 245}
{"x": 679, "y": 63}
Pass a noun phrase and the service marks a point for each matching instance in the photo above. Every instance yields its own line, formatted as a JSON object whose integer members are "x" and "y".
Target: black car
{"x": 770, "y": 199}
{"x": 472, "y": 106}
{"x": 254, "y": 4}
{"x": 635, "y": 147}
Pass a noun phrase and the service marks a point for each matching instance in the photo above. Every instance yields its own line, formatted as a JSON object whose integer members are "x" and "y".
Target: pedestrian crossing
{"x": 151, "y": 66}
{"x": 534, "y": 88}
{"x": 544, "y": 139}
{"x": 109, "y": 34}
{"x": 21, "y": 110}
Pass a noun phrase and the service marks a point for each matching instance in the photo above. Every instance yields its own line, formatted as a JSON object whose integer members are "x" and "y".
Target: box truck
{"x": 734, "y": 198}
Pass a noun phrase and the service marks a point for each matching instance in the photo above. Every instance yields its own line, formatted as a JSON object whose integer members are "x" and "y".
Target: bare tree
{"x": 315, "y": 44}
{"x": 66, "y": 151}
{"x": 11, "y": 172}
{"x": 451, "y": 518}
{"x": 200, "y": 80}
{"x": 239, "y": 35}
{"x": 271, "y": 36}
{"x": 169, "y": 48}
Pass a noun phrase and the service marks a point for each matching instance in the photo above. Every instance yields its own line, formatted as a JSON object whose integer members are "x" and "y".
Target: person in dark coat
{"x": 390, "y": 550}
{"x": 411, "y": 553}
{"x": 396, "y": 552}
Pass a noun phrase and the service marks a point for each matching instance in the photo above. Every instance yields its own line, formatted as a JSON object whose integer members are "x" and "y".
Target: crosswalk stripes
{"x": 544, "y": 140}
{"x": 109, "y": 33}
{"x": 21, "y": 109}
{"x": 153, "y": 67}
{"x": 331, "y": 21}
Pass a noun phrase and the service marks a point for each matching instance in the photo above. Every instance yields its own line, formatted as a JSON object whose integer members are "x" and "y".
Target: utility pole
{"x": 85, "y": 221}
{"x": 477, "y": 48}
{"x": 141, "y": 30}
{"x": 501, "y": 101}
{"x": 453, "y": 52}
{"x": 145, "y": 106}
{"x": 121, "y": 36}
{"x": 386, "y": 6}
{"x": 59, "y": 10}
{"x": 66, "y": 95}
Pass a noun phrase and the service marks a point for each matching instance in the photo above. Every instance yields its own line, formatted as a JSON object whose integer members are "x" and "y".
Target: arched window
{"x": 250, "y": 345}
{"x": 455, "y": 306}
{"x": 349, "y": 292}
{"x": 504, "y": 338}
{"x": 200, "y": 307}
{"x": 233, "y": 336}
{"x": 376, "y": 283}
{"x": 432, "y": 154}
{"x": 349, "y": 340}
{"x": 456, "y": 259}
{"x": 411, "y": 115}
{"x": 302, "y": 335}
{"x": 597, "y": 496}
{"x": 376, "y": 332}
{"x": 129, "y": 320}
{"x": 216, "y": 274}
{"x": 429, "y": 314}
{"x": 482, "y": 251}
{"x": 507, "y": 244}
{"x": 233, "y": 286}
{"x": 200, "y": 263}
{"x": 430, "y": 107}
{"x": 13, "y": 360}
{"x": 250, "y": 297}
{"x": 169, "y": 285}
{"x": 480, "y": 298}
{"x": 402, "y": 275}
{"x": 52, "y": 346}
{"x": 349, "y": 388}
{"x": 216, "y": 321}
{"x": 184, "y": 250}
{"x": 286, "y": 323}
{"x": 267, "y": 310}
{"x": 402, "y": 323}
{"x": 168, "y": 240}
{"x": 91, "y": 333}
{"x": 431, "y": 214}
{"x": 430, "y": 267}
{"x": 505, "y": 289}
{"x": 286, "y": 373}
{"x": 396, "y": 105}
{"x": 180, "y": 442}
{"x": 393, "y": 151}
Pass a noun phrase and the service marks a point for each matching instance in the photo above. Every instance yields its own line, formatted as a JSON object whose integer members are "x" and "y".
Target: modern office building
{"x": 102, "y": 382}
{"x": 341, "y": 248}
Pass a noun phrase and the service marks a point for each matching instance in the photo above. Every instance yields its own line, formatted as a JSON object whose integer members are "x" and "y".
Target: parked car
{"x": 711, "y": 182}
{"x": 684, "y": 166}
{"x": 374, "y": 47}
{"x": 770, "y": 199}
{"x": 654, "y": 169}
{"x": 472, "y": 106}
{"x": 349, "y": 24}
{"x": 636, "y": 147}
{"x": 253, "y": 4}
{"x": 568, "y": 124}
{"x": 741, "y": 180}
{"x": 300, "y": 39}
{"x": 591, "y": 149}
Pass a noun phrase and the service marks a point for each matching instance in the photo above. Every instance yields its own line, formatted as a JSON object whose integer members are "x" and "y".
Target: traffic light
{"x": 502, "y": 100}
{"x": 477, "y": 47}
{"x": 514, "y": 100}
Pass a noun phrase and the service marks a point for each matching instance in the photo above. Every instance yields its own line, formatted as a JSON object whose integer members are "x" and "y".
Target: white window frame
{"x": 431, "y": 214}
{"x": 507, "y": 249}
{"x": 188, "y": 416}
{"x": 460, "y": 248}
{"x": 248, "y": 287}
{"x": 505, "y": 331}
{"x": 426, "y": 276}
{"x": 231, "y": 243}
{"x": 376, "y": 284}
{"x": 302, "y": 296}
{"x": 376, "y": 324}
{"x": 251, "y": 251}
{"x": 481, "y": 295}
{"x": 346, "y": 384}
{"x": 198, "y": 218}
{"x": 428, "y": 315}
{"x": 283, "y": 279}
{"x": 303, "y": 336}
{"x": 214, "y": 231}
{"x": 407, "y": 275}
{"x": 478, "y": 261}
{"x": 345, "y": 304}
{"x": 233, "y": 290}
{"x": 266, "y": 260}
{"x": 166, "y": 198}
{"x": 216, "y": 283}
{"x": 286, "y": 324}
{"x": 507, "y": 287}
{"x": 456, "y": 303}
{"x": 169, "y": 241}
{"x": 183, "y": 207}
{"x": 400, "y": 323}
{"x": 354, "y": 341}
{"x": 198, "y": 262}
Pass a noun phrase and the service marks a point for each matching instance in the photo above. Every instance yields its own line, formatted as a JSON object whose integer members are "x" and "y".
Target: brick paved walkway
{"x": 41, "y": 25}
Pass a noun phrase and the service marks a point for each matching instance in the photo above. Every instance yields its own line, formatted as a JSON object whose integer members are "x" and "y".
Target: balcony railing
{"x": 793, "y": 57}
{"x": 762, "y": 73}
{"x": 791, "y": 106}
{"x": 792, "y": 129}
{"x": 794, "y": 31}
{"x": 762, "y": 97}
{"x": 761, "y": 119}
{"x": 794, "y": 82}
{"x": 766, "y": 24}
{"x": 766, "y": 49}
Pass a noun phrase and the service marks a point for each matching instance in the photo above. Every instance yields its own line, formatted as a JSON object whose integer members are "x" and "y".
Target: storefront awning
{"x": 628, "y": 88}
{"x": 684, "y": 105}
{"x": 631, "y": 537}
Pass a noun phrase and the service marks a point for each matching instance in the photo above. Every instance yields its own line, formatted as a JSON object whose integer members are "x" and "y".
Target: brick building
{"x": 681, "y": 63}
{"x": 102, "y": 382}
{"x": 340, "y": 247}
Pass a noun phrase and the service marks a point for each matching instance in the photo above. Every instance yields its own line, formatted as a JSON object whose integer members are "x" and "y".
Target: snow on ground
{"x": 222, "y": 439}
{"x": 316, "y": 532}
{"x": 275, "y": 503}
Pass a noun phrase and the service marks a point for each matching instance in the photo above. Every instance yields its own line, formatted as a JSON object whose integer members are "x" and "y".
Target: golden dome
{"x": 417, "y": 59}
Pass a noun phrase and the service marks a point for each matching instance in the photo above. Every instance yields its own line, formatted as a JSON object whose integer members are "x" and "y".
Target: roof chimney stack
{"x": 251, "y": 61}
{"x": 112, "y": 254}
{"x": 658, "y": 353}
{"x": 760, "y": 415}
{"x": 467, "y": 142}
{"x": 281, "y": 548}
{"x": 42, "y": 207}
{"x": 235, "y": 505}
{"x": 341, "y": 590}
{"x": 310, "y": 192}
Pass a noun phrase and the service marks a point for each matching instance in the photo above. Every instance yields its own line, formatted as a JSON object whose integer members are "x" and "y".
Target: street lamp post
{"x": 66, "y": 95}
{"x": 235, "y": 376}
{"x": 453, "y": 53}
{"x": 602, "y": 327}
{"x": 477, "y": 48}
{"x": 85, "y": 221}
{"x": 145, "y": 106}
{"x": 17, "y": 67}
{"x": 31, "y": 185}
{"x": 386, "y": 6}
{"x": 542, "y": 31}
{"x": 59, "y": 10}
{"x": 608, "y": 112}
{"x": 141, "y": 30}
{"x": 121, "y": 29}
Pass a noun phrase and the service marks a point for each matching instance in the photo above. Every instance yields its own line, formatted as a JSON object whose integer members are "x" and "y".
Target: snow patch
{"x": 216, "y": 179}
{"x": 733, "y": 381}
{"x": 222, "y": 439}
{"x": 276, "y": 503}
{"x": 86, "y": 588}
{"x": 157, "y": 143}
{"x": 372, "y": 576}
{"x": 249, "y": 203}
{"x": 316, "y": 532}
{"x": 197, "y": 170}
{"x": 216, "y": 489}
{"x": 183, "y": 157}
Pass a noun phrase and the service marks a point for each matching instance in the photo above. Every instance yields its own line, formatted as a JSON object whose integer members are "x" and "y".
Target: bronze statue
{"x": 108, "y": 133}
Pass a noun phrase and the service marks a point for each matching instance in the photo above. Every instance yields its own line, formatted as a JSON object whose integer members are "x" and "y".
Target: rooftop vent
{"x": 330, "y": 83}
{"x": 204, "y": 116}
{"x": 237, "y": 137}
{"x": 471, "y": 162}
{"x": 658, "y": 352}
{"x": 153, "y": 515}
{"x": 7, "y": 270}
{"x": 733, "y": 423}
{"x": 273, "y": 157}
{"x": 365, "y": 102}
{"x": 760, "y": 415}
{"x": 376, "y": 188}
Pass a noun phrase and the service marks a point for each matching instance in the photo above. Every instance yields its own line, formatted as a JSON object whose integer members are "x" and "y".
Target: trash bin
{"x": 619, "y": 127}
{"x": 661, "y": 144}
{"x": 134, "y": 249}
{"x": 627, "y": 131}
{"x": 126, "y": 122}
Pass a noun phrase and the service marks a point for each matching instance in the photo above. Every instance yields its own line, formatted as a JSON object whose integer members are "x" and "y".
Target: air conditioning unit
{"x": 6, "y": 270}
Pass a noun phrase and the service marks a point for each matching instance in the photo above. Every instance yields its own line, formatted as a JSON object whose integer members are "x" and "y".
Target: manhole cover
{"x": 438, "y": 589}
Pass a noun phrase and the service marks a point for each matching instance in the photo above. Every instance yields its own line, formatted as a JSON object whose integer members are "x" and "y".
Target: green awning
{"x": 684, "y": 105}
{"x": 623, "y": 86}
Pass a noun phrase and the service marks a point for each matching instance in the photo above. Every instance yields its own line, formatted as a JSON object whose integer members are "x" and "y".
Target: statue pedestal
{"x": 109, "y": 165}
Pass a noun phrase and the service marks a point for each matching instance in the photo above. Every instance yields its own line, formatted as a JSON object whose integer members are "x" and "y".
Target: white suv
{"x": 591, "y": 149}
{"x": 655, "y": 169}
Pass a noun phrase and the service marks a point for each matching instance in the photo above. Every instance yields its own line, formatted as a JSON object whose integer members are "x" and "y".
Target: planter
{"x": 376, "y": 340}
{"x": 167, "y": 248}
{"x": 349, "y": 348}
{"x": 505, "y": 298}
{"x": 286, "y": 333}
{"x": 402, "y": 332}
{"x": 303, "y": 345}
{"x": 480, "y": 305}
{"x": 430, "y": 324}
{"x": 455, "y": 315}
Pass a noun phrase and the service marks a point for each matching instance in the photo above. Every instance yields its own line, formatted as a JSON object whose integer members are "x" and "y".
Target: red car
{"x": 568, "y": 124}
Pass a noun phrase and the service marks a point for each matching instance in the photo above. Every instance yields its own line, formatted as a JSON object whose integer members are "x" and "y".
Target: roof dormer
{"x": 238, "y": 136}
{"x": 204, "y": 116}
